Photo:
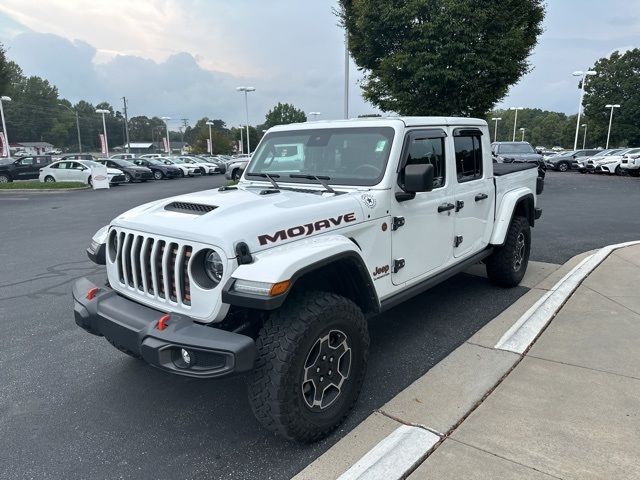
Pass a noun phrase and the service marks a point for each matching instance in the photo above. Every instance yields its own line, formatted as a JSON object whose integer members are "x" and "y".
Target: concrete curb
{"x": 42, "y": 190}
{"x": 447, "y": 394}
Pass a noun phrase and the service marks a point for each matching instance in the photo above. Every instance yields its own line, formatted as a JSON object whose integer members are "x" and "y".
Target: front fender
{"x": 284, "y": 262}
{"x": 506, "y": 211}
{"x": 292, "y": 261}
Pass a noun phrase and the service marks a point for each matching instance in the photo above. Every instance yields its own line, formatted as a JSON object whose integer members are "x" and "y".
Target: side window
{"x": 63, "y": 165}
{"x": 26, "y": 161}
{"x": 54, "y": 165}
{"x": 425, "y": 150}
{"x": 468, "y": 157}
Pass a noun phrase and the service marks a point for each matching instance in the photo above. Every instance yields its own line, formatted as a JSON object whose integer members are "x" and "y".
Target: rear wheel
{"x": 5, "y": 178}
{"x": 508, "y": 264}
{"x": 310, "y": 365}
{"x": 48, "y": 179}
{"x": 563, "y": 166}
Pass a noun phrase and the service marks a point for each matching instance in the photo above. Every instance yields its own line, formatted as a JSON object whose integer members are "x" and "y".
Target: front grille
{"x": 118, "y": 178}
{"x": 192, "y": 208}
{"x": 155, "y": 267}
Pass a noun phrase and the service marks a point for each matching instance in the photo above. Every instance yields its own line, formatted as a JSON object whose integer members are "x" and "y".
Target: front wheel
{"x": 310, "y": 365}
{"x": 563, "y": 166}
{"x": 50, "y": 179}
{"x": 5, "y": 179}
{"x": 158, "y": 175}
{"x": 507, "y": 265}
{"x": 127, "y": 178}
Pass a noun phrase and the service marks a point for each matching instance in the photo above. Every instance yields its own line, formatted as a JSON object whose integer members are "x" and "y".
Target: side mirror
{"x": 418, "y": 178}
{"x": 539, "y": 152}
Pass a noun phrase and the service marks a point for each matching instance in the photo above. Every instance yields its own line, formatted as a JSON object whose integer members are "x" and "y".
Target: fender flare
{"x": 294, "y": 261}
{"x": 519, "y": 199}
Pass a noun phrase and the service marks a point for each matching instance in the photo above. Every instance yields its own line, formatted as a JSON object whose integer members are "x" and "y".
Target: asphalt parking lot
{"x": 74, "y": 407}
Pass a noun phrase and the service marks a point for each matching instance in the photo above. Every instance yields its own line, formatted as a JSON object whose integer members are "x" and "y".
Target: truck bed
{"x": 500, "y": 169}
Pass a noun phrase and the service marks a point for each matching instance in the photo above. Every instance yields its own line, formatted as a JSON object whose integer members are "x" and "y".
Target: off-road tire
{"x": 123, "y": 350}
{"x": 284, "y": 344}
{"x": 502, "y": 265}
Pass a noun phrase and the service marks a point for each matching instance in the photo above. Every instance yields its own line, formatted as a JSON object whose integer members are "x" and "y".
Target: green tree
{"x": 283, "y": 114}
{"x": 440, "y": 57}
{"x": 617, "y": 82}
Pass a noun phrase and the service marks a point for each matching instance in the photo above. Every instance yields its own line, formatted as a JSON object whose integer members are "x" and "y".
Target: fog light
{"x": 186, "y": 356}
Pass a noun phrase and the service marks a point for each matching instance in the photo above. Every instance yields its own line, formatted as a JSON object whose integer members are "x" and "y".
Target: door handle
{"x": 481, "y": 196}
{"x": 445, "y": 207}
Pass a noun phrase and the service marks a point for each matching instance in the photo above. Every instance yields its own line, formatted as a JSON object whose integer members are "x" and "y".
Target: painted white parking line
{"x": 394, "y": 456}
{"x": 13, "y": 198}
{"x": 518, "y": 338}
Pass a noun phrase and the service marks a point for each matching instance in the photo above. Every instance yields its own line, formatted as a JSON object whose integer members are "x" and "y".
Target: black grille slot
{"x": 191, "y": 208}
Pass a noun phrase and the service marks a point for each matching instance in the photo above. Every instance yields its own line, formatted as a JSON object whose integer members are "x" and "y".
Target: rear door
{"x": 474, "y": 191}
{"x": 422, "y": 240}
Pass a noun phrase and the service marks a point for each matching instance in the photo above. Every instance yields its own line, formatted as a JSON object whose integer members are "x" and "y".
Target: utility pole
{"x": 126, "y": 124}
{"x": 185, "y": 124}
{"x": 346, "y": 74}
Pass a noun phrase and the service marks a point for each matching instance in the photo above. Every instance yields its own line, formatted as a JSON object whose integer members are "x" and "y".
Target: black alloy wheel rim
{"x": 520, "y": 252}
{"x": 326, "y": 369}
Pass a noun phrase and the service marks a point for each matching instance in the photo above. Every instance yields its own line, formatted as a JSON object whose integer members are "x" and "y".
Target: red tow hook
{"x": 92, "y": 293}
{"x": 162, "y": 323}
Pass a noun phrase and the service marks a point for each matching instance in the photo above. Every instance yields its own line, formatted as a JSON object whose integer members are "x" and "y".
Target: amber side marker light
{"x": 279, "y": 288}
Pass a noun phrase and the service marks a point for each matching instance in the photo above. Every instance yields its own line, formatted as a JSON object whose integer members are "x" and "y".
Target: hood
{"x": 113, "y": 171}
{"x": 608, "y": 159}
{"x": 251, "y": 215}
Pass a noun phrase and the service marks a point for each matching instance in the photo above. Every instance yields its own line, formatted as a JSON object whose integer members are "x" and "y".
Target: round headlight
{"x": 213, "y": 266}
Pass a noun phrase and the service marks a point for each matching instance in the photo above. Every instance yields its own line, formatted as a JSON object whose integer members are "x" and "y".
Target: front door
{"x": 24, "y": 169}
{"x": 424, "y": 241}
{"x": 474, "y": 193}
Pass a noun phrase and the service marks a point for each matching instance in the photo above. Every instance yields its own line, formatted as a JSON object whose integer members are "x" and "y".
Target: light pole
{"x": 584, "y": 75}
{"x": 4, "y": 98}
{"x": 314, "y": 114}
{"x": 241, "y": 140}
{"x": 209, "y": 122}
{"x": 515, "y": 121}
{"x": 346, "y": 73}
{"x": 104, "y": 128}
{"x": 246, "y": 90}
{"x": 584, "y": 138}
{"x": 522, "y": 129}
{"x": 166, "y": 124}
{"x": 610, "y": 120}
{"x": 495, "y": 129}
{"x": 75, "y": 112}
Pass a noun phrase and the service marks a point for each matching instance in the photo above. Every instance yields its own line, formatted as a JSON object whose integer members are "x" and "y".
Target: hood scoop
{"x": 190, "y": 208}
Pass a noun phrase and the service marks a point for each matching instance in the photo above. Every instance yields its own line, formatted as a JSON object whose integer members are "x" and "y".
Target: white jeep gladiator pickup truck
{"x": 276, "y": 276}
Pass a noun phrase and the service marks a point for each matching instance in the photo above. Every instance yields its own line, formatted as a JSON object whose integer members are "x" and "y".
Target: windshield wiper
{"x": 268, "y": 176}
{"x": 317, "y": 178}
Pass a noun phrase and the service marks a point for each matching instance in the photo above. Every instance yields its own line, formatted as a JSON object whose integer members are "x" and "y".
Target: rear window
{"x": 515, "y": 148}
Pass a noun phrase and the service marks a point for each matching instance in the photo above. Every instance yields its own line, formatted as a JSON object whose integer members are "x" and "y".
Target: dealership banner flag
{"x": 4, "y": 151}
{"x": 209, "y": 146}
{"x": 165, "y": 144}
{"x": 103, "y": 144}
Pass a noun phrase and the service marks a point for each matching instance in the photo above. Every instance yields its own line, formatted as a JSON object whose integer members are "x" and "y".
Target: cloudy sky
{"x": 184, "y": 58}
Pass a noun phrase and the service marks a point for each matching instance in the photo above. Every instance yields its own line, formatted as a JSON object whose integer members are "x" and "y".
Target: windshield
{"x": 347, "y": 156}
{"x": 177, "y": 160}
{"x": 612, "y": 152}
{"x": 516, "y": 148}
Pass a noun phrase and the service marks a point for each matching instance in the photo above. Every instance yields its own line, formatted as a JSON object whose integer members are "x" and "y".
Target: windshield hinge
{"x": 396, "y": 223}
{"x": 398, "y": 263}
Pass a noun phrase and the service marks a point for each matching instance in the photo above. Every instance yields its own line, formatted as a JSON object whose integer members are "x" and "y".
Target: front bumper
{"x": 133, "y": 327}
{"x": 117, "y": 179}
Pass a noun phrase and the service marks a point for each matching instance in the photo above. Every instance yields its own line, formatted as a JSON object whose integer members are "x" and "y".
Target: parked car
{"x": 186, "y": 169}
{"x": 132, "y": 172}
{"x": 23, "y": 168}
{"x": 278, "y": 275}
{"x": 78, "y": 156}
{"x": 587, "y": 165}
{"x": 152, "y": 155}
{"x": 631, "y": 162}
{"x": 222, "y": 166}
{"x": 516, "y": 152}
{"x": 123, "y": 156}
{"x": 569, "y": 160}
{"x": 77, "y": 171}
{"x": 206, "y": 168}
{"x": 235, "y": 168}
{"x": 158, "y": 168}
{"x": 612, "y": 163}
